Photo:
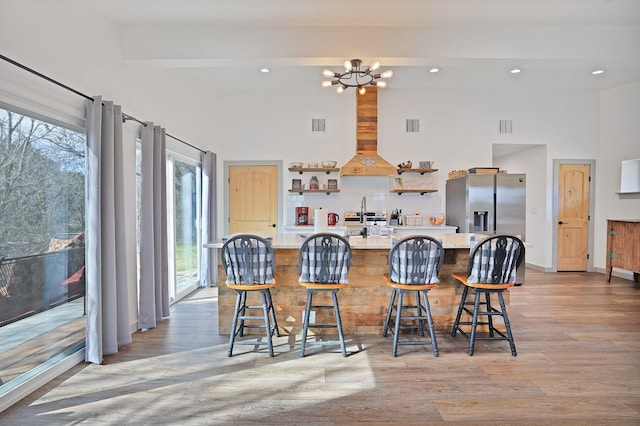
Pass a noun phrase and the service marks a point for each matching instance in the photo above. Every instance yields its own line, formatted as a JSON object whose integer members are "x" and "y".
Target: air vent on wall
{"x": 505, "y": 126}
{"x": 412, "y": 126}
{"x": 317, "y": 125}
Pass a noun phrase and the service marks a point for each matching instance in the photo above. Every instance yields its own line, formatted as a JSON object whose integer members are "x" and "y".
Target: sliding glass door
{"x": 184, "y": 198}
{"x": 42, "y": 223}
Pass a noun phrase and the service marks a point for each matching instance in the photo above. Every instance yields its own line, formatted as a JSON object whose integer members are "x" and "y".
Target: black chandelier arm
{"x": 358, "y": 77}
{"x": 355, "y": 76}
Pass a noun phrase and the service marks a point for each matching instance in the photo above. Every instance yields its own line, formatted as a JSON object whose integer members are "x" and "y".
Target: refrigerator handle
{"x": 495, "y": 211}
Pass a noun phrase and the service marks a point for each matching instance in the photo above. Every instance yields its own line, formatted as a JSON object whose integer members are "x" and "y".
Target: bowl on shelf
{"x": 437, "y": 220}
{"x": 312, "y": 165}
{"x": 329, "y": 164}
{"x": 295, "y": 165}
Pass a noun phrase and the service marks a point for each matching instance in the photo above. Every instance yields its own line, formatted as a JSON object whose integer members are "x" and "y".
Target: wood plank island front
{"x": 365, "y": 301}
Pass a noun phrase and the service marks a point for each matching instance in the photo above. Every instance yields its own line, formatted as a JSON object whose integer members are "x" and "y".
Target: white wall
{"x": 619, "y": 139}
{"x": 459, "y": 127}
{"x": 458, "y": 130}
{"x": 68, "y": 43}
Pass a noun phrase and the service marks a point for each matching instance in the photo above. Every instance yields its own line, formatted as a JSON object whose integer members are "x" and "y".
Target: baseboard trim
{"x": 538, "y": 267}
{"x": 625, "y": 275}
{"x": 619, "y": 273}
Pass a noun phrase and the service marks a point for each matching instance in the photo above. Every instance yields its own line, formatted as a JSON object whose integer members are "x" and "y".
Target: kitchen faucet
{"x": 363, "y": 218}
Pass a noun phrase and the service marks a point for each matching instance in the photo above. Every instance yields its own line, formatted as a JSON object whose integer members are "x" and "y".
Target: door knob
{"x": 273, "y": 225}
{"x": 560, "y": 222}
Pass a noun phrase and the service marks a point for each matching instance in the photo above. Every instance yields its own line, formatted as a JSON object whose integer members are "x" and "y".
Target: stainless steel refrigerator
{"x": 487, "y": 203}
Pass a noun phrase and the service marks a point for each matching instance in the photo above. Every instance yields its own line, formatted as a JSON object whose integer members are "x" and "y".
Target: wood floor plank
{"x": 535, "y": 409}
{"x": 578, "y": 363}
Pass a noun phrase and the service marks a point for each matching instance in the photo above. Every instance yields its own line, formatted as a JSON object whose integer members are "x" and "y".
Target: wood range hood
{"x": 367, "y": 162}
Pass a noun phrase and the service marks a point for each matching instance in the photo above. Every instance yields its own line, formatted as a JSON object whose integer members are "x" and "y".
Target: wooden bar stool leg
{"x": 336, "y": 309}
{"x": 489, "y": 316}
{"x": 456, "y": 324}
{"x": 507, "y": 324}
{"x": 388, "y": 320}
{"x": 272, "y": 311}
{"x": 432, "y": 331}
{"x": 305, "y": 323}
{"x": 267, "y": 324}
{"x": 234, "y": 323}
{"x": 474, "y": 323}
{"x": 242, "y": 311}
{"x": 397, "y": 325}
{"x": 419, "y": 312}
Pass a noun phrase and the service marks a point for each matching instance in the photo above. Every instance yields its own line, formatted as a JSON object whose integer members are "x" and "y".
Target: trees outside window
{"x": 42, "y": 184}
{"x": 42, "y": 273}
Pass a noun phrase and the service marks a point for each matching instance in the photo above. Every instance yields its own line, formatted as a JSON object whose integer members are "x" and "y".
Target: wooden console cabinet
{"x": 623, "y": 247}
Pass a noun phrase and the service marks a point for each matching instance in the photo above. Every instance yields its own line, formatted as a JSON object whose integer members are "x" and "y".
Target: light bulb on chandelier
{"x": 356, "y": 76}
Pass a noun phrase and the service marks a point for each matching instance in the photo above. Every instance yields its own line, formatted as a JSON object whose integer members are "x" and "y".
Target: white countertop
{"x": 439, "y": 228}
{"x": 398, "y": 227}
{"x": 293, "y": 241}
{"x": 310, "y": 228}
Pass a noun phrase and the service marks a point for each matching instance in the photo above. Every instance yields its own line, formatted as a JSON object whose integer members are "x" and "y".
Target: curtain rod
{"x": 125, "y": 117}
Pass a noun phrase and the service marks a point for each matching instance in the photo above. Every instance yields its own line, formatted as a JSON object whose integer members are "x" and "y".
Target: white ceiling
{"x": 475, "y": 43}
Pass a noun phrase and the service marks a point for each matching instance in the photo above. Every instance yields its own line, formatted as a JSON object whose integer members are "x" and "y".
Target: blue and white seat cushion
{"x": 482, "y": 266}
{"x": 337, "y": 264}
{"x": 250, "y": 265}
{"x": 406, "y": 259}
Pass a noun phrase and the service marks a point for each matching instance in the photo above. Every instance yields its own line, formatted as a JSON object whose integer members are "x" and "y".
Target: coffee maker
{"x": 302, "y": 215}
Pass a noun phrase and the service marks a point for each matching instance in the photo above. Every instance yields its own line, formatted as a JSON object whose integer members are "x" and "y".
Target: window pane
{"x": 186, "y": 217}
{"x": 42, "y": 287}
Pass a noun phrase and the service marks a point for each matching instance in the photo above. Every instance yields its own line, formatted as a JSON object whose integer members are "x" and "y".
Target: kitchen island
{"x": 364, "y": 302}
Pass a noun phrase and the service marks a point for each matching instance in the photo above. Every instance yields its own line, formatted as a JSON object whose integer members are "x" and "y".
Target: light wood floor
{"x": 578, "y": 363}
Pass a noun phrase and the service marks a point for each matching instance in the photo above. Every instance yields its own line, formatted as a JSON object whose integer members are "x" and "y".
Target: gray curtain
{"x": 154, "y": 273}
{"x": 208, "y": 264}
{"x": 106, "y": 250}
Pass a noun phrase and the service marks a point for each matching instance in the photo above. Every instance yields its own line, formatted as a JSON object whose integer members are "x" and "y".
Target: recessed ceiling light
{"x": 597, "y": 72}
{"x": 434, "y": 69}
{"x": 515, "y": 71}
{"x": 265, "y": 70}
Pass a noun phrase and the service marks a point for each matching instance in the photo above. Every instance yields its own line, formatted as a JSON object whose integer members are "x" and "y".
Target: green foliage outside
{"x": 186, "y": 258}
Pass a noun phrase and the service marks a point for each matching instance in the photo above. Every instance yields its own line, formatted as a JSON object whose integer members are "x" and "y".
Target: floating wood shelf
{"x": 313, "y": 169}
{"x": 415, "y": 191}
{"x": 402, "y": 170}
{"x": 314, "y": 191}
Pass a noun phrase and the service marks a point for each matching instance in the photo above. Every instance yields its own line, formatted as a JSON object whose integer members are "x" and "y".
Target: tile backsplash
{"x": 376, "y": 189}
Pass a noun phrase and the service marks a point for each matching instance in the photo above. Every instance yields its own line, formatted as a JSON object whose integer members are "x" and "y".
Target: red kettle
{"x": 332, "y": 219}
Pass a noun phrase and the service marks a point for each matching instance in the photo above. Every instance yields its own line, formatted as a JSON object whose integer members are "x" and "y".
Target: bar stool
{"x": 324, "y": 259}
{"x": 414, "y": 264}
{"x": 249, "y": 262}
{"x": 492, "y": 270}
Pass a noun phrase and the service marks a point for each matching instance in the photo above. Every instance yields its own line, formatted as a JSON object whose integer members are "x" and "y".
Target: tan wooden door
{"x": 573, "y": 217}
{"x": 253, "y": 199}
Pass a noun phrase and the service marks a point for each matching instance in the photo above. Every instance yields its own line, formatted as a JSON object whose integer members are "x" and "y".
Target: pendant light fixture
{"x": 356, "y": 76}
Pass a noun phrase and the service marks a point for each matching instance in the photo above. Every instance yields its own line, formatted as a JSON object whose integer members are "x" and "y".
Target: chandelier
{"x": 355, "y": 76}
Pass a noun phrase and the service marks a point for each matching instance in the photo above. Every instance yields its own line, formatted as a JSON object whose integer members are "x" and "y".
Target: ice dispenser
{"x": 480, "y": 221}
